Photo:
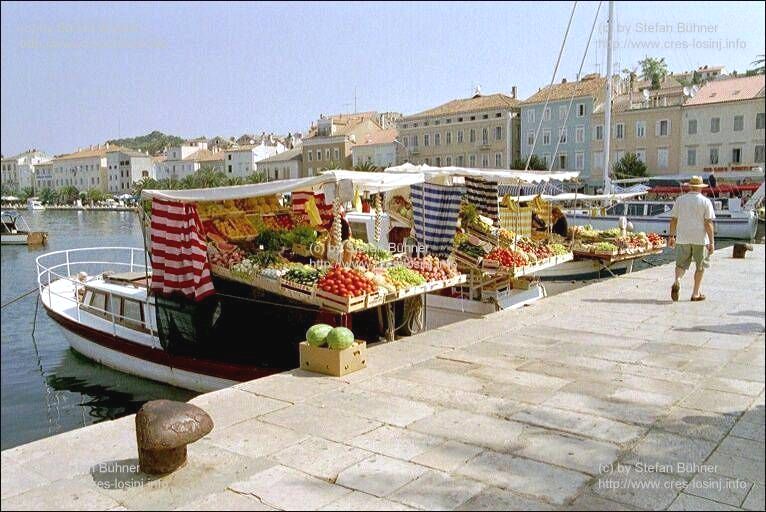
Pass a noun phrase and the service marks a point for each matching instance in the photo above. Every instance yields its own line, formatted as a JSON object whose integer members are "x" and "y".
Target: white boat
{"x": 732, "y": 221}
{"x": 110, "y": 318}
{"x": 35, "y": 204}
{"x": 14, "y": 230}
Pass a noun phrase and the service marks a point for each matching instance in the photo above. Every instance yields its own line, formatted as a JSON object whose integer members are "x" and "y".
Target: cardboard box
{"x": 333, "y": 362}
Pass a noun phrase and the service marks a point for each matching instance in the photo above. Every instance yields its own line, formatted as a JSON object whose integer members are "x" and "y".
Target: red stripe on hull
{"x": 206, "y": 367}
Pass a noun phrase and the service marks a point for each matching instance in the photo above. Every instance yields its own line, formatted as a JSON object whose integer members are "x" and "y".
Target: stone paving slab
{"x": 560, "y": 405}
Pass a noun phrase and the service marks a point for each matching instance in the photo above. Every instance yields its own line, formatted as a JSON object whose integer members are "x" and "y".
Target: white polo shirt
{"x": 692, "y": 210}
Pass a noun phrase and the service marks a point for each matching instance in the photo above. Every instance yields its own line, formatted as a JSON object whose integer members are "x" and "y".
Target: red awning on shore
{"x": 721, "y": 189}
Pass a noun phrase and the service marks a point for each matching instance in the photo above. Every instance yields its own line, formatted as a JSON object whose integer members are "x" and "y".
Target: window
{"x": 759, "y": 156}
{"x": 336, "y": 153}
{"x": 230, "y": 168}
{"x": 485, "y": 136}
{"x": 715, "y": 125}
{"x": 563, "y": 161}
{"x": 498, "y": 133}
{"x": 426, "y": 139}
{"x": 472, "y": 160}
{"x": 530, "y": 138}
{"x": 691, "y": 157}
{"x": 438, "y": 161}
{"x": 662, "y": 158}
{"x": 428, "y": 161}
{"x": 691, "y": 128}
{"x": 635, "y": 209}
{"x": 485, "y": 116}
{"x": 132, "y": 314}
{"x": 319, "y": 154}
{"x": 546, "y": 159}
{"x": 563, "y": 135}
{"x": 714, "y": 156}
{"x": 580, "y": 161}
{"x": 406, "y": 141}
{"x": 640, "y": 129}
{"x": 619, "y": 131}
{"x": 449, "y": 138}
{"x": 448, "y": 161}
{"x": 641, "y": 155}
{"x": 460, "y": 136}
{"x": 437, "y": 139}
{"x": 327, "y": 154}
{"x": 736, "y": 155}
{"x": 562, "y": 112}
{"x": 472, "y": 136}
{"x": 580, "y": 134}
{"x": 415, "y": 141}
{"x": 485, "y": 161}
{"x": 619, "y": 154}
{"x": 229, "y": 156}
{"x": 547, "y": 114}
{"x": 739, "y": 123}
{"x": 499, "y": 160}
{"x": 531, "y": 116}
{"x": 760, "y": 121}
{"x": 599, "y": 132}
{"x": 460, "y": 161}
{"x": 546, "y": 137}
{"x": 581, "y": 110}
{"x": 663, "y": 128}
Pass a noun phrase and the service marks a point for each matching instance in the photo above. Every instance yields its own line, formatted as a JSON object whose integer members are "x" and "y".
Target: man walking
{"x": 691, "y": 233}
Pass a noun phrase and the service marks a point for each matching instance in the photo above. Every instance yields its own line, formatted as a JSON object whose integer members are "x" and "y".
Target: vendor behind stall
{"x": 560, "y": 224}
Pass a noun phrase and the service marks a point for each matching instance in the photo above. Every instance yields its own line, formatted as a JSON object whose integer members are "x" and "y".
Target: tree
{"x": 655, "y": 70}
{"x": 535, "y": 164}
{"x": 367, "y": 166}
{"x": 205, "y": 177}
{"x": 26, "y": 193}
{"x": 47, "y": 196}
{"x": 332, "y": 166}
{"x": 68, "y": 194}
{"x": 96, "y": 195}
{"x": 629, "y": 166}
{"x": 256, "y": 177}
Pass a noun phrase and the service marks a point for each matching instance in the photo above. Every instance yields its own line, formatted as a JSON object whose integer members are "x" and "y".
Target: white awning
{"x": 502, "y": 175}
{"x": 377, "y": 181}
{"x": 570, "y": 196}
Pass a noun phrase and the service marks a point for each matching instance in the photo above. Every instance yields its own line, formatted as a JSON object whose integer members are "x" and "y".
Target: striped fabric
{"x": 435, "y": 225}
{"x": 516, "y": 218}
{"x": 179, "y": 253}
{"x": 299, "y": 199}
{"x": 482, "y": 194}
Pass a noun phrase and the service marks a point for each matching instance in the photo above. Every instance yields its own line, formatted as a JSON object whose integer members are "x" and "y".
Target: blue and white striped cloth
{"x": 482, "y": 194}
{"x": 436, "y": 224}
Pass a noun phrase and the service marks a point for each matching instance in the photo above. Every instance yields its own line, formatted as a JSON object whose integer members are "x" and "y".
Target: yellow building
{"x": 480, "y": 131}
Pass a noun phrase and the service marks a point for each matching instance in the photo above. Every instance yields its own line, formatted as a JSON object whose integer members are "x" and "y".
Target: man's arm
{"x": 710, "y": 235}
{"x": 672, "y": 234}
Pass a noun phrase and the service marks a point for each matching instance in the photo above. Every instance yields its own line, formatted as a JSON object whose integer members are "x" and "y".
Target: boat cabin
{"x": 120, "y": 298}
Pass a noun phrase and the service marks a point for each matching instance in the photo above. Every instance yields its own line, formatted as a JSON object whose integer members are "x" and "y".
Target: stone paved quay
{"x": 606, "y": 397}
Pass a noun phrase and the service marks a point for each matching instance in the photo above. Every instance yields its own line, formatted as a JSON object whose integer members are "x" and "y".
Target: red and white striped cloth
{"x": 299, "y": 199}
{"x": 179, "y": 252}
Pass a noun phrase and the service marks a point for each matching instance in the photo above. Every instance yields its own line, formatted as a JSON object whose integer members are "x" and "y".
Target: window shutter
{"x": 657, "y": 129}
{"x": 669, "y": 128}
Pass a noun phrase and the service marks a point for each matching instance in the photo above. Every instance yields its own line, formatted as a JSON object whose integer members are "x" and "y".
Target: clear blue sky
{"x": 78, "y": 74}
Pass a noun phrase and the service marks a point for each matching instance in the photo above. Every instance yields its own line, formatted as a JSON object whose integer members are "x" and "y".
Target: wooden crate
{"x": 297, "y": 288}
{"x": 341, "y": 304}
{"x": 333, "y": 362}
{"x": 375, "y": 299}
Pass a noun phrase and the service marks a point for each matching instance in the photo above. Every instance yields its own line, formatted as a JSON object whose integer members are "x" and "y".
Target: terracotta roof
{"x": 590, "y": 85}
{"x": 92, "y": 153}
{"x": 284, "y": 156}
{"x": 729, "y": 89}
{"x": 377, "y": 137}
{"x": 205, "y": 155}
{"x": 472, "y": 104}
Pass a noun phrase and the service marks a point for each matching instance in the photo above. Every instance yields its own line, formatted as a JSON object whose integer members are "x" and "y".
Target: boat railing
{"x": 68, "y": 264}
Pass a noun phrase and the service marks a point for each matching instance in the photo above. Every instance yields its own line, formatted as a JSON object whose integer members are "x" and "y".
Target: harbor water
{"x": 46, "y": 387}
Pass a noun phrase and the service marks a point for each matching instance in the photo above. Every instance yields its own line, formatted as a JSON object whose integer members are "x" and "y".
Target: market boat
{"x": 14, "y": 230}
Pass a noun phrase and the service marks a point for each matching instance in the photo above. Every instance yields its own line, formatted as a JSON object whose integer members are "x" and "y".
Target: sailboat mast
{"x": 608, "y": 101}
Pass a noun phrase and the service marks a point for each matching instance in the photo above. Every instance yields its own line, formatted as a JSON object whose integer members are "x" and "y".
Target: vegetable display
{"x": 307, "y": 276}
{"x": 507, "y": 257}
{"x": 402, "y": 277}
{"x": 346, "y": 282}
{"x": 471, "y": 250}
{"x": 432, "y": 268}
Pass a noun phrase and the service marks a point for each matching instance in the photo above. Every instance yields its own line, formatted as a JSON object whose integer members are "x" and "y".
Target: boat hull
{"x": 14, "y": 239}
{"x": 584, "y": 269}
{"x": 738, "y": 228}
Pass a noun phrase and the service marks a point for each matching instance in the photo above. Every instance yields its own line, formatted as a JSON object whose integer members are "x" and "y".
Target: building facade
{"x": 378, "y": 149}
{"x": 43, "y": 177}
{"x": 18, "y": 172}
{"x": 241, "y": 161}
{"x": 283, "y": 166}
{"x": 331, "y": 139}
{"x": 188, "y": 158}
{"x": 480, "y": 131}
{"x": 84, "y": 169}
{"x": 124, "y": 167}
{"x": 723, "y": 126}
{"x": 564, "y": 138}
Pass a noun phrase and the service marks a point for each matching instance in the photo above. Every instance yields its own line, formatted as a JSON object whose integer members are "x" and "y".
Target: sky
{"x": 77, "y": 74}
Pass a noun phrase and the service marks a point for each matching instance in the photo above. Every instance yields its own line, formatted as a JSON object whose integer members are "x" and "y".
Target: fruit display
{"x": 234, "y": 227}
{"x": 306, "y": 275}
{"x": 507, "y": 258}
{"x": 558, "y": 249}
{"x": 374, "y": 253}
{"x": 224, "y": 254}
{"x": 401, "y": 207}
{"x": 317, "y": 334}
{"x": 402, "y": 277}
{"x": 471, "y": 250}
{"x": 604, "y": 247}
{"x": 339, "y": 338}
{"x": 535, "y": 248}
{"x": 263, "y": 204}
{"x": 214, "y": 209}
{"x": 346, "y": 282}
{"x": 656, "y": 239}
{"x": 303, "y": 235}
{"x": 280, "y": 221}
{"x": 432, "y": 268}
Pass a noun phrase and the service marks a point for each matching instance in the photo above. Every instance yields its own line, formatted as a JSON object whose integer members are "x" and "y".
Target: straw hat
{"x": 695, "y": 182}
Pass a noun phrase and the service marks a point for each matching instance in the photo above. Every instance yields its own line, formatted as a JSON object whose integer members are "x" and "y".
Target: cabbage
{"x": 317, "y": 334}
{"x": 340, "y": 338}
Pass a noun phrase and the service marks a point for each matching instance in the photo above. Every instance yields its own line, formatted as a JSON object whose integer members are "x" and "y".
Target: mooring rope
{"x": 25, "y": 294}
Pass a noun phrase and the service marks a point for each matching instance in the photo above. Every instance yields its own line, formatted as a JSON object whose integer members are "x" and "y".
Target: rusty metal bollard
{"x": 740, "y": 249}
{"x": 163, "y": 429}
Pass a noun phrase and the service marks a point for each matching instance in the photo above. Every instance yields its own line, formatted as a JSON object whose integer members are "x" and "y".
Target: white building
{"x": 124, "y": 168}
{"x": 284, "y": 166}
{"x": 377, "y": 148}
{"x": 181, "y": 161}
{"x": 723, "y": 126}
{"x": 18, "y": 172}
{"x": 241, "y": 161}
{"x": 43, "y": 176}
{"x": 84, "y": 169}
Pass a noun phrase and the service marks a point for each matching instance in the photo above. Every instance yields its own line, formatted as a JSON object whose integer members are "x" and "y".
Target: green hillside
{"x": 153, "y": 142}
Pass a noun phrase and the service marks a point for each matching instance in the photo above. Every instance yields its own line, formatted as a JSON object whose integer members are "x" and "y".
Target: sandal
{"x": 698, "y": 298}
{"x": 674, "y": 292}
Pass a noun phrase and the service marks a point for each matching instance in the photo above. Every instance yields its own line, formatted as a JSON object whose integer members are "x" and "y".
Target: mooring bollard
{"x": 740, "y": 249}
{"x": 163, "y": 429}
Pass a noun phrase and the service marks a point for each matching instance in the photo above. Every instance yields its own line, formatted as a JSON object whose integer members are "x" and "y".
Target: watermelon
{"x": 340, "y": 338}
{"x": 317, "y": 334}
